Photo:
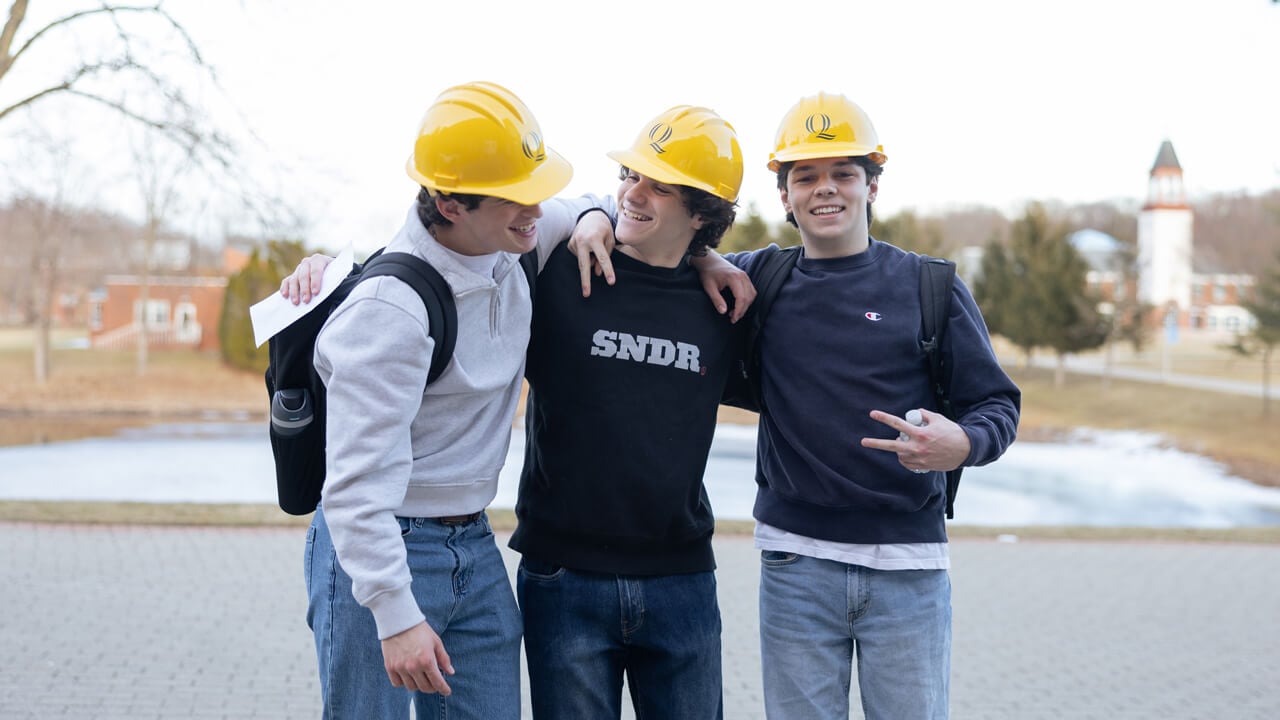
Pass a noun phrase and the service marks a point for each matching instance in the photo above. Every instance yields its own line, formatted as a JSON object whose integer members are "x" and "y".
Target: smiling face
{"x": 492, "y": 226}
{"x": 653, "y": 221}
{"x": 828, "y": 198}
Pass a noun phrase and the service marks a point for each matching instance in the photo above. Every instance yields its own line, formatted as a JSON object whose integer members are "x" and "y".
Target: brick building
{"x": 180, "y": 311}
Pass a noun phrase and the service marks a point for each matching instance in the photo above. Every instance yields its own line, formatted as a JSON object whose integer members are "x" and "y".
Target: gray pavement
{"x": 1093, "y": 365}
{"x": 136, "y": 622}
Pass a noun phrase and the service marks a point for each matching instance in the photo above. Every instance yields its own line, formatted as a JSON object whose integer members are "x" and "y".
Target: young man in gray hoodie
{"x": 407, "y": 586}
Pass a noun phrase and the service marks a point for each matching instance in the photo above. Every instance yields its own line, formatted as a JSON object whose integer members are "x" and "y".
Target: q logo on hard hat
{"x": 659, "y": 133}
{"x": 819, "y": 132}
{"x": 532, "y": 147}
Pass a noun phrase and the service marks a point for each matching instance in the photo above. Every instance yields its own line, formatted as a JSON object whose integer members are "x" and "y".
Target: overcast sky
{"x": 986, "y": 102}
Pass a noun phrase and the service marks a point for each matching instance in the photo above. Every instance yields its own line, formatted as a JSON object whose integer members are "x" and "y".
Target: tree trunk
{"x": 1266, "y": 381}
{"x": 144, "y": 292}
{"x": 40, "y": 349}
{"x": 44, "y": 292}
{"x": 1060, "y": 371}
{"x": 1108, "y": 359}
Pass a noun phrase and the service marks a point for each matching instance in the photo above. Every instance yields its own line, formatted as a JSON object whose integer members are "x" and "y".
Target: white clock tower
{"x": 1164, "y": 237}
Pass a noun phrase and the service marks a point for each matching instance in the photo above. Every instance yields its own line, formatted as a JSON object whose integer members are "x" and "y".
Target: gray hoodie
{"x": 394, "y": 450}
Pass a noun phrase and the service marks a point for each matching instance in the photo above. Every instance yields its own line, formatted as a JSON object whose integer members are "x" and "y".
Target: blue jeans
{"x": 816, "y": 614}
{"x": 584, "y": 630}
{"x": 461, "y": 584}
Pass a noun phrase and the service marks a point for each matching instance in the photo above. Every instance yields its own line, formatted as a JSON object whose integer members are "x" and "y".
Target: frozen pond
{"x": 1103, "y": 479}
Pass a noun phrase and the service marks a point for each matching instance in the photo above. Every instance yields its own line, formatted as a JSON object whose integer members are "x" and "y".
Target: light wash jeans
{"x": 584, "y": 630}
{"x": 816, "y": 615}
{"x": 461, "y": 585}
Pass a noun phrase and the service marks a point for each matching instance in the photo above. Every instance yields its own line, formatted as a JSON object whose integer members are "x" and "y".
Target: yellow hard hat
{"x": 823, "y": 126}
{"x": 480, "y": 139}
{"x": 691, "y": 146}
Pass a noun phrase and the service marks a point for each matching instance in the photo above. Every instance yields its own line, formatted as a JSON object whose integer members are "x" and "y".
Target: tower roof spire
{"x": 1166, "y": 159}
{"x": 1164, "y": 189}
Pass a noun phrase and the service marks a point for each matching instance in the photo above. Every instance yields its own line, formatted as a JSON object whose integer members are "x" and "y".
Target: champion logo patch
{"x": 873, "y": 316}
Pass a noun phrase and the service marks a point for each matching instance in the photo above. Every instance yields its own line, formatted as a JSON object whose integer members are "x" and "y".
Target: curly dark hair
{"x": 717, "y": 215}
{"x": 871, "y": 168}
{"x": 430, "y": 215}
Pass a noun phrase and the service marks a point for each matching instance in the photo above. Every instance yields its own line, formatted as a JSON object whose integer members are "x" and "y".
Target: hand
{"x": 718, "y": 275}
{"x": 305, "y": 281}
{"x": 416, "y": 660}
{"x": 591, "y": 242}
{"x": 939, "y": 444}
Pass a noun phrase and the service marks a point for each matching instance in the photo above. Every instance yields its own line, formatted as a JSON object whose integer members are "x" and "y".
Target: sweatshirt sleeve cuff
{"x": 977, "y": 446}
{"x": 395, "y": 611}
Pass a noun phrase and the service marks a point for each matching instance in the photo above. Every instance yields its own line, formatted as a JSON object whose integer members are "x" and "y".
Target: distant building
{"x": 1105, "y": 256}
{"x": 1166, "y": 280}
{"x": 183, "y": 305}
{"x": 179, "y": 312}
{"x": 1164, "y": 236}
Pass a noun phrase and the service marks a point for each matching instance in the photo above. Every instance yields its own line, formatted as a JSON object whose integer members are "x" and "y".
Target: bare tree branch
{"x": 18, "y": 11}
{"x": 76, "y": 16}
{"x": 28, "y": 100}
{"x": 181, "y": 121}
{"x": 75, "y": 76}
{"x": 150, "y": 72}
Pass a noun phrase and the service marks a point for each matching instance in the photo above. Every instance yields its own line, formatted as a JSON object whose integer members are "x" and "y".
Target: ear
{"x": 448, "y": 207}
{"x": 786, "y": 200}
{"x": 696, "y": 223}
{"x": 873, "y": 187}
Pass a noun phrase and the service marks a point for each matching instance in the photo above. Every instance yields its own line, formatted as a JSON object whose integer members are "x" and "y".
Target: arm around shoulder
{"x": 718, "y": 275}
{"x": 560, "y": 216}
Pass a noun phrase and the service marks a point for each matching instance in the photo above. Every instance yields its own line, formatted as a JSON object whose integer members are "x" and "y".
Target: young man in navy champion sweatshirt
{"x": 850, "y": 518}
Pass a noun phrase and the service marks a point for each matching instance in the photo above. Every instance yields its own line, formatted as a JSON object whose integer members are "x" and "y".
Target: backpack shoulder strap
{"x": 529, "y": 263}
{"x": 771, "y": 272}
{"x": 768, "y": 277}
{"x": 437, "y": 297}
{"x": 936, "y": 279}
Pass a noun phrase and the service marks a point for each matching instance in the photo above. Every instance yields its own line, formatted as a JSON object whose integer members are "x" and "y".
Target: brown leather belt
{"x": 458, "y": 519}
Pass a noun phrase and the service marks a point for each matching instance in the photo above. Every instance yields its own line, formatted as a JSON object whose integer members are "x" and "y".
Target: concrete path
{"x": 131, "y": 622}
{"x": 1092, "y": 365}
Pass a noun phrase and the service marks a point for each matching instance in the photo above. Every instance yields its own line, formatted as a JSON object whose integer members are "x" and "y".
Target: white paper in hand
{"x": 274, "y": 313}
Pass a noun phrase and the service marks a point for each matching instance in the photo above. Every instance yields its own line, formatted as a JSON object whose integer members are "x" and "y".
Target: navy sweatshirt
{"x": 625, "y": 386}
{"x": 842, "y": 339}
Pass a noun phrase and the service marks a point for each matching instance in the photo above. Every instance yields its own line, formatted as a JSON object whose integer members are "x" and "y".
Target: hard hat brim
{"x": 830, "y": 150}
{"x": 656, "y": 171}
{"x": 551, "y": 176}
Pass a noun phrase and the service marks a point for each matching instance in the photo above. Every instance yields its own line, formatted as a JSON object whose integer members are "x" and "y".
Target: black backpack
{"x": 298, "y": 406}
{"x": 743, "y": 388}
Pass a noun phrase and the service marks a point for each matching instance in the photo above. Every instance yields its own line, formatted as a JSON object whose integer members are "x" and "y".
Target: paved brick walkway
{"x": 128, "y": 622}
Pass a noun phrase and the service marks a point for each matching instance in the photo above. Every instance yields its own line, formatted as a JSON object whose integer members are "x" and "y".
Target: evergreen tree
{"x": 905, "y": 230}
{"x": 1005, "y": 288}
{"x": 1265, "y": 335}
{"x": 749, "y": 232}
{"x": 1075, "y": 324}
{"x": 259, "y": 278}
{"x": 1034, "y": 292}
{"x": 786, "y": 234}
{"x": 1128, "y": 316}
